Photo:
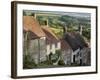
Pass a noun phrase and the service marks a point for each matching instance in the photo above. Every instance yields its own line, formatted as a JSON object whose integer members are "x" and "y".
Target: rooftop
{"x": 51, "y": 37}
{"x": 31, "y": 24}
{"x": 75, "y": 40}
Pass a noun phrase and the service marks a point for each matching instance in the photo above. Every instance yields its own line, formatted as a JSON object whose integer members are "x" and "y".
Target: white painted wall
{"x": 48, "y": 49}
{"x": 66, "y": 56}
{"x": 52, "y": 48}
{"x": 5, "y": 41}
{"x": 74, "y": 53}
{"x": 58, "y": 45}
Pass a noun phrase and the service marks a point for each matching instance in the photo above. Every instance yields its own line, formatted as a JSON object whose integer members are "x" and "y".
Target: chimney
{"x": 80, "y": 29}
{"x": 34, "y": 15}
{"x": 46, "y": 23}
{"x": 64, "y": 29}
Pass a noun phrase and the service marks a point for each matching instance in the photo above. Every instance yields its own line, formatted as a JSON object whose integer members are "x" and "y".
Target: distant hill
{"x": 57, "y": 20}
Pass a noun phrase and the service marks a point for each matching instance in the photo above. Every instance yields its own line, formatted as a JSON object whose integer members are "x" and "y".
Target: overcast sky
{"x": 74, "y": 14}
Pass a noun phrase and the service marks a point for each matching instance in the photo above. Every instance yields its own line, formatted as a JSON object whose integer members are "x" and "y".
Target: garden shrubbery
{"x": 28, "y": 63}
{"x": 61, "y": 62}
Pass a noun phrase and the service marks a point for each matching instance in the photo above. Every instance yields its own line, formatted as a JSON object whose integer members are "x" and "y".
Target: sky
{"x": 74, "y": 14}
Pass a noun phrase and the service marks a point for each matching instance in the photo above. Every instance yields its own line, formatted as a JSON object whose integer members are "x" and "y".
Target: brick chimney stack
{"x": 80, "y": 29}
{"x": 46, "y": 23}
{"x": 64, "y": 29}
{"x": 34, "y": 15}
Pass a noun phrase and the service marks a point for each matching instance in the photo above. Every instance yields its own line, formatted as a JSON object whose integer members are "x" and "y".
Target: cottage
{"x": 77, "y": 43}
{"x": 66, "y": 51}
{"x": 52, "y": 45}
{"x": 39, "y": 42}
{"x": 52, "y": 41}
{"x": 86, "y": 56}
{"x": 34, "y": 39}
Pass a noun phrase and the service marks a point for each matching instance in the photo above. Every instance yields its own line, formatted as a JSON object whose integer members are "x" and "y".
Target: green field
{"x": 57, "y": 31}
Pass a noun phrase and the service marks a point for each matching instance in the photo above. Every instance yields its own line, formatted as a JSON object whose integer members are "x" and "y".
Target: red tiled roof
{"x": 31, "y": 35}
{"x": 31, "y": 24}
{"x": 51, "y": 37}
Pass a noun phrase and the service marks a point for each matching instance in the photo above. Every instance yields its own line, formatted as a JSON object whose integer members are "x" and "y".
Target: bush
{"x": 58, "y": 52}
{"x": 50, "y": 55}
{"x": 61, "y": 62}
{"x": 54, "y": 57}
{"x": 28, "y": 63}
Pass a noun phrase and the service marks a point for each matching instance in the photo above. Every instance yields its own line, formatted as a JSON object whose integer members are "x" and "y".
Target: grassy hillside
{"x": 71, "y": 20}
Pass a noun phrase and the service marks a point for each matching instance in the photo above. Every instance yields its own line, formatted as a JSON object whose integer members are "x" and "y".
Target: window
{"x": 56, "y": 45}
{"x": 73, "y": 58}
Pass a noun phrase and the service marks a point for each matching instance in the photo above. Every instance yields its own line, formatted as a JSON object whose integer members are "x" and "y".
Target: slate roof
{"x": 75, "y": 40}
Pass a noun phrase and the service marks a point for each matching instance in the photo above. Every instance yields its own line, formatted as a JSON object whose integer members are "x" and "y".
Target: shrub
{"x": 58, "y": 52}
{"x": 28, "y": 63}
{"x": 61, "y": 62}
{"x": 50, "y": 55}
